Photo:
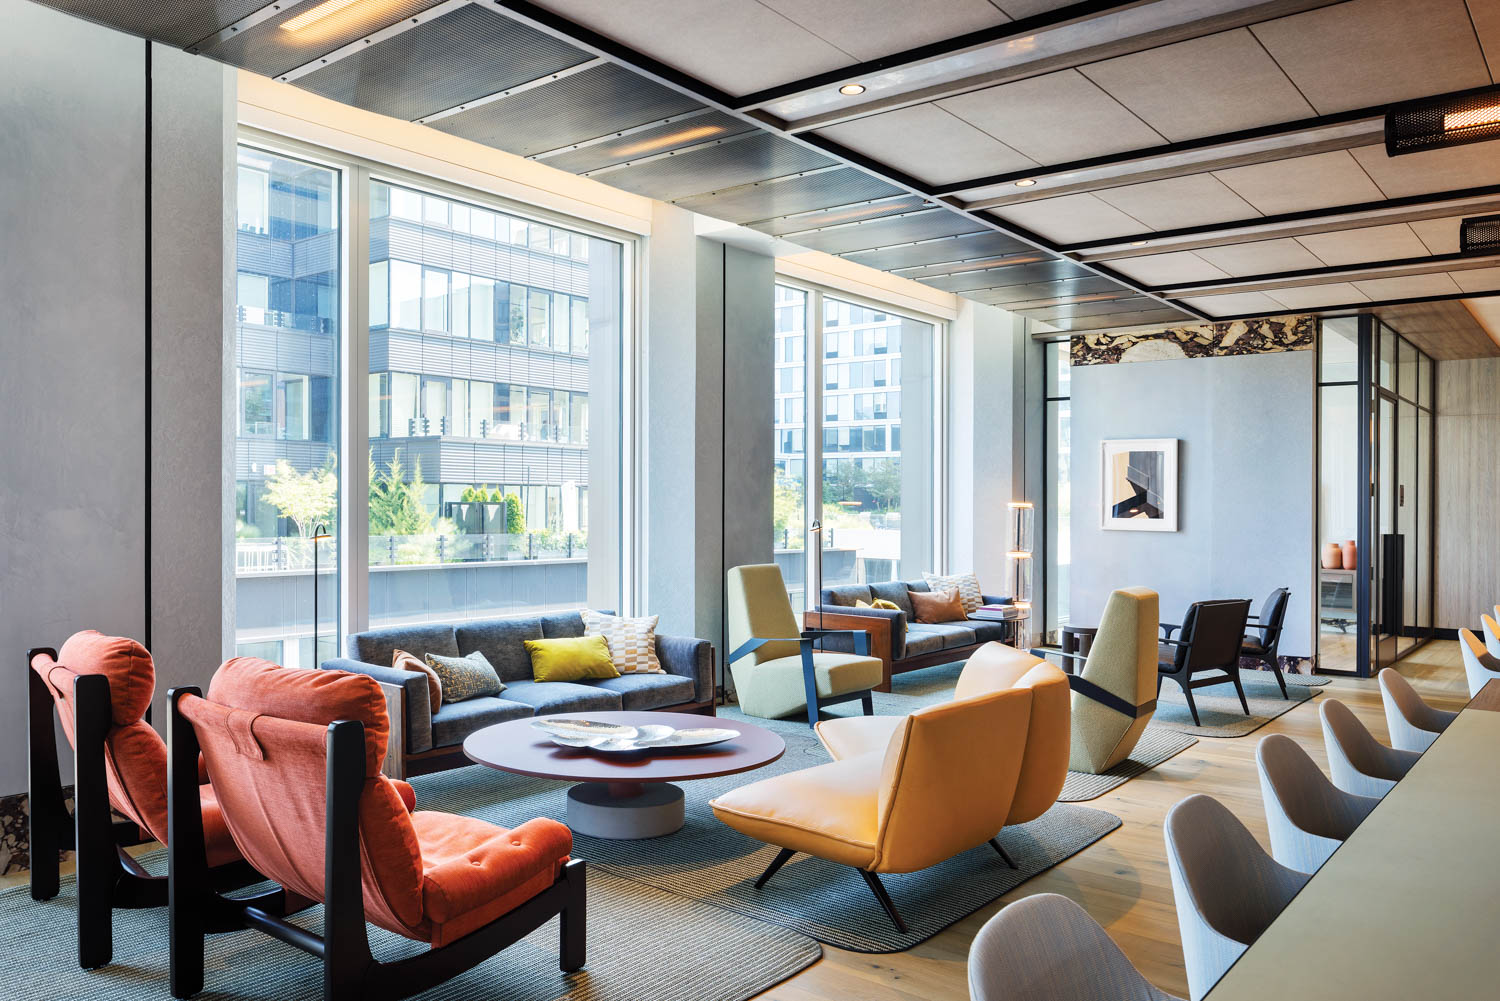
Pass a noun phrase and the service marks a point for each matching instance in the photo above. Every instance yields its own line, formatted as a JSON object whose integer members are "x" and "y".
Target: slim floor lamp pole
{"x": 320, "y": 532}
{"x": 816, "y": 531}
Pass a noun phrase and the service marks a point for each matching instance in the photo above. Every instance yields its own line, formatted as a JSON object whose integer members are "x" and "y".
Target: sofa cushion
{"x": 894, "y": 591}
{"x": 546, "y": 698}
{"x": 503, "y": 643}
{"x": 466, "y": 677}
{"x": 967, "y": 585}
{"x": 561, "y": 625}
{"x": 456, "y": 720}
{"x": 570, "y": 658}
{"x": 954, "y": 634}
{"x": 631, "y": 641}
{"x": 922, "y": 639}
{"x": 403, "y": 661}
{"x": 650, "y": 691}
{"x": 846, "y": 594}
{"x": 379, "y": 646}
{"x": 988, "y": 629}
{"x": 941, "y": 606}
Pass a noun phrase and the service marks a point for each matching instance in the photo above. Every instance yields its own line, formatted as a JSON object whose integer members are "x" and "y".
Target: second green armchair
{"x": 776, "y": 669}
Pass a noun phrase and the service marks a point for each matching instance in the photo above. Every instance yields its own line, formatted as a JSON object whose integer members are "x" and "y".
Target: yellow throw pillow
{"x": 889, "y": 606}
{"x": 573, "y": 658}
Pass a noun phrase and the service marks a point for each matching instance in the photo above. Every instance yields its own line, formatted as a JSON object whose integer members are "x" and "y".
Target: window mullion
{"x": 354, "y": 577}
{"x": 813, "y": 442}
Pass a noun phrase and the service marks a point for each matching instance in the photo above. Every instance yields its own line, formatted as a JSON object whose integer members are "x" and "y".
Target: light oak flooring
{"x": 1122, "y": 880}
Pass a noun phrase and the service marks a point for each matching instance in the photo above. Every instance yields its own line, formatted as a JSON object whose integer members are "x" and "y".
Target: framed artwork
{"x": 1138, "y": 484}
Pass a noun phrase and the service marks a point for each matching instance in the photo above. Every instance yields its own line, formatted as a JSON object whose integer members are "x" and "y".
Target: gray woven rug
{"x": 1157, "y": 744}
{"x": 1306, "y": 680}
{"x": 1219, "y": 710}
{"x": 644, "y": 944}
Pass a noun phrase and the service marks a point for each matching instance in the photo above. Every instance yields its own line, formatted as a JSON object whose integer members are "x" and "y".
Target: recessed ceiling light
{"x": 1138, "y": 243}
{"x": 326, "y": 9}
{"x": 852, "y": 89}
{"x": 1025, "y": 182}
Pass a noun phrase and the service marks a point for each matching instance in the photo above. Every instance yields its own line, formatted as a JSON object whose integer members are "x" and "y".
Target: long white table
{"x": 1409, "y": 907}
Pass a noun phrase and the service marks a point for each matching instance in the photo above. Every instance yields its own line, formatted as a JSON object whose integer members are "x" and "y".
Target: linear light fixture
{"x": 1479, "y": 235}
{"x": 327, "y": 8}
{"x": 1437, "y": 122}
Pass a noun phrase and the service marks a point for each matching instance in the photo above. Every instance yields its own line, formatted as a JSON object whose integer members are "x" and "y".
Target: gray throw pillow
{"x": 465, "y": 677}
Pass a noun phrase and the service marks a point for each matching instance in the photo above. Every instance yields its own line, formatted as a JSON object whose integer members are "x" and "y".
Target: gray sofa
{"x": 901, "y": 643}
{"x": 422, "y": 740}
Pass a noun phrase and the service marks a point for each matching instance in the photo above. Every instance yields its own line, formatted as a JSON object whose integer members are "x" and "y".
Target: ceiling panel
{"x": 1447, "y": 330}
{"x": 1234, "y": 85}
{"x": 679, "y": 133}
{"x": 269, "y": 49}
{"x": 1103, "y": 307}
{"x": 1053, "y": 118}
{"x": 1266, "y": 257}
{"x": 868, "y": 31}
{"x": 1408, "y": 287}
{"x": 1303, "y": 182}
{"x": 583, "y": 106}
{"x": 703, "y": 169}
{"x": 1007, "y": 294}
{"x": 1486, "y": 18}
{"x": 1318, "y": 296}
{"x": 1118, "y": 321}
{"x": 736, "y": 46}
{"x": 1361, "y": 246}
{"x": 1450, "y": 169}
{"x": 1019, "y": 275}
{"x": 928, "y": 143}
{"x": 887, "y": 232}
{"x": 1236, "y": 304}
{"x": 176, "y": 23}
{"x": 1370, "y": 52}
{"x": 1477, "y": 280}
{"x": 780, "y": 223}
{"x": 969, "y": 247}
{"x": 1072, "y": 219}
{"x": 1194, "y": 200}
{"x": 1440, "y": 236}
{"x": 799, "y": 194}
{"x": 1167, "y": 269}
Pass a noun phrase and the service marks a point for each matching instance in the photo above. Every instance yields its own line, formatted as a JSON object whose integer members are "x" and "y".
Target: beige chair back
{"x": 758, "y": 606}
{"x": 1122, "y": 656}
{"x": 948, "y": 778}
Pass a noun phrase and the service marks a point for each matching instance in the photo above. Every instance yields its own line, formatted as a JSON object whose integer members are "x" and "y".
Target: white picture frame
{"x": 1140, "y": 473}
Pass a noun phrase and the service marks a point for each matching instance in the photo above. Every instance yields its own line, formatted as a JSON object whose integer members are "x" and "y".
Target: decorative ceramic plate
{"x": 582, "y": 732}
{"x": 655, "y": 737}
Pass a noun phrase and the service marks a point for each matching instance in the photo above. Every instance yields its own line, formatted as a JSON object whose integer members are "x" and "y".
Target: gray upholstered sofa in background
{"x": 422, "y": 740}
{"x": 902, "y": 643}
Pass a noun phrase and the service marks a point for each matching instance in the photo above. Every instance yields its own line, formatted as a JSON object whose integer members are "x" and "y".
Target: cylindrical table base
{"x": 618, "y": 811}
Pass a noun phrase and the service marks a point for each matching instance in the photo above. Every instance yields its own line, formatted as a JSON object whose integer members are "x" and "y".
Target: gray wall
{"x": 73, "y": 290}
{"x": 1467, "y": 481}
{"x": 1246, "y": 484}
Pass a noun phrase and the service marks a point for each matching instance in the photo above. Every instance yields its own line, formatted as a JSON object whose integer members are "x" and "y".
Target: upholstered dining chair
{"x": 1046, "y": 948}
{"x": 297, "y": 757}
{"x": 1411, "y": 722}
{"x": 101, "y": 687}
{"x": 1480, "y": 666}
{"x": 1308, "y": 816}
{"x": 1491, "y": 632}
{"x": 943, "y": 784}
{"x": 1358, "y": 762}
{"x": 776, "y": 670}
{"x": 1115, "y": 686}
{"x": 994, "y": 667}
{"x": 1263, "y": 642}
{"x": 1226, "y": 888}
{"x": 1208, "y": 644}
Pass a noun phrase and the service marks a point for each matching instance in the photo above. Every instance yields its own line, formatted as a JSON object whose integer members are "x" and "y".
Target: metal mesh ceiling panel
{"x": 963, "y": 248}
{"x": 841, "y": 213}
{"x": 795, "y": 194}
{"x": 1114, "y": 321}
{"x": 1480, "y": 235}
{"x": 1036, "y": 291}
{"x": 704, "y": 169}
{"x": 442, "y": 63}
{"x": 583, "y": 106}
{"x": 1020, "y": 274}
{"x": 888, "y": 232}
{"x": 649, "y": 142}
{"x": 179, "y": 24}
{"x": 269, "y": 49}
{"x": 1436, "y": 122}
{"x": 1135, "y": 303}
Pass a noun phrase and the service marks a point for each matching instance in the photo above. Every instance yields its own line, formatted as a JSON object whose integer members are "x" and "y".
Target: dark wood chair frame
{"x": 1270, "y": 652}
{"x": 1184, "y": 676}
{"x": 350, "y": 972}
{"x": 815, "y": 704}
{"x": 107, "y": 876}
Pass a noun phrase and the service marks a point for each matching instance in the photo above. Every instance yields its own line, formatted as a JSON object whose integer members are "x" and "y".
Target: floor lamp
{"x": 815, "y": 531}
{"x": 1019, "y": 565}
{"x": 320, "y": 532}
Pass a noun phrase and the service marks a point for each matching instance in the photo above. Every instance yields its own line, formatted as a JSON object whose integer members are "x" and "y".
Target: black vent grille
{"x": 673, "y": 135}
{"x": 1438, "y": 122}
{"x": 586, "y": 105}
{"x": 1479, "y": 235}
{"x": 269, "y": 50}
{"x": 179, "y": 24}
{"x": 706, "y": 169}
{"x": 463, "y": 55}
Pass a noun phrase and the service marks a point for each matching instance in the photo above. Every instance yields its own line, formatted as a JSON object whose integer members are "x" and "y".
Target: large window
{"x": 287, "y": 454}
{"x": 790, "y": 423}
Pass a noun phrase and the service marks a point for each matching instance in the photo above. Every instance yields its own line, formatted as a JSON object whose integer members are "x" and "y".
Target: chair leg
{"x": 1008, "y": 860}
{"x": 573, "y": 930}
{"x": 878, "y": 888}
{"x": 782, "y": 858}
{"x": 1192, "y": 706}
{"x": 812, "y": 714}
{"x": 1274, "y": 663}
{"x": 1234, "y": 676}
{"x": 868, "y": 702}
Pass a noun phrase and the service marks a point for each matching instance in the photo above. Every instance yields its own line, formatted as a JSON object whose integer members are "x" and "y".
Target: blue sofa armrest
{"x": 689, "y": 657}
{"x": 418, "y": 707}
{"x": 896, "y": 617}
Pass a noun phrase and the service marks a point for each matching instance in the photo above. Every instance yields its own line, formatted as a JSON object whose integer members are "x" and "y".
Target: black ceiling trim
{"x": 1313, "y": 277}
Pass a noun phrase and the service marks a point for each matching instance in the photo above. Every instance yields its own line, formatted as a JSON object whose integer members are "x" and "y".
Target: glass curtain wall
{"x": 288, "y": 325}
{"x": 789, "y": 510}
{"x": 1058, "y": 507}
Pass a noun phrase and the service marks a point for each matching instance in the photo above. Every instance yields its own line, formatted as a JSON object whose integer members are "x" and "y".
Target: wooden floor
{"x": 1122, "y": 880}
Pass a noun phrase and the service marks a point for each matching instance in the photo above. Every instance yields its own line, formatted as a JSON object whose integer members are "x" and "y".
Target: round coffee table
{"x": 623, "y": 796}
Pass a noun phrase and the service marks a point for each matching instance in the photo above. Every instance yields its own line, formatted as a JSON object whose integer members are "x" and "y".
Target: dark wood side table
{"x": 1077, "y": 639}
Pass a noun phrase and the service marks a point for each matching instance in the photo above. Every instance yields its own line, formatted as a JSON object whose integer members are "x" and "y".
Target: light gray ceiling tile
{"x": 1471, "y": 166}
{"x": 1395, "y": 242}
{"x": 928, "y": 143}
{"x": 1227, "y": 83}
{"x": 1486, "y": 17}
{"x": 1304, "y": 182}
{"x": 1371, "y": 52}
{"x": 1054, "y": 118}
{"x": 1439, "y": 235}
{"x": 1194, "y": 200}
{"x": 1072, "y": 219}
{"x": 1267, "y": 257}
{"x": 1409, "y": 287}
{"x": 1167, "y": 269}
{"x": 1236, "y": 303}
{"x": 1477, "y": 280}
{"x": 869, "y": 31}
{"x": 1318, "y": 296}
{"x": 1030, "y": 8}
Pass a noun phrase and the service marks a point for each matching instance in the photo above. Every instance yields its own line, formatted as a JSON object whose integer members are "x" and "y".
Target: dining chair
{"x": 1411, "y": 722}
{"x": 1491, "y": 632}
{"x": 1208, "y": 643}
{"x": 1358, "y": 762}
{"x": 1307, "y": 815}
{"x": 1046, "y": 948}
{"x": 1263, "y": 642}
{"x": 1480, "y": 666}
{"x": 1226, "y": 888}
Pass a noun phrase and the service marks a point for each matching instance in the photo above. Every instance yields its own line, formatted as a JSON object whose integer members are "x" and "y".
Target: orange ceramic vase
{"x": 1351, "y": 556}
{"x": 1333, "y": 556}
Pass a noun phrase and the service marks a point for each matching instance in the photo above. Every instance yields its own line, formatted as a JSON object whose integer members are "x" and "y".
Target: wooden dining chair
{"x": 1207, "y": 645}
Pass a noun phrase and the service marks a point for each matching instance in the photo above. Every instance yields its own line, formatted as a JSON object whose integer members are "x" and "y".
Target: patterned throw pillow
{"x": 403, "y": 661}
{"x": 632, "y": 642}
{"x": 966, "y": 583}
{"x": 465, "y": 677}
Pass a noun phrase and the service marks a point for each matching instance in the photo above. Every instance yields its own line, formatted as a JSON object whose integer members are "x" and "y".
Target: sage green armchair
{"x": 776, "y": 670}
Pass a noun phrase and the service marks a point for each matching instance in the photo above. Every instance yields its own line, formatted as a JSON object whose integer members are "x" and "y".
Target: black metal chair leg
{"x": 782, "y": 858}
{"x": 878, "y": 888}
{"x": 1008, "y": 860}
